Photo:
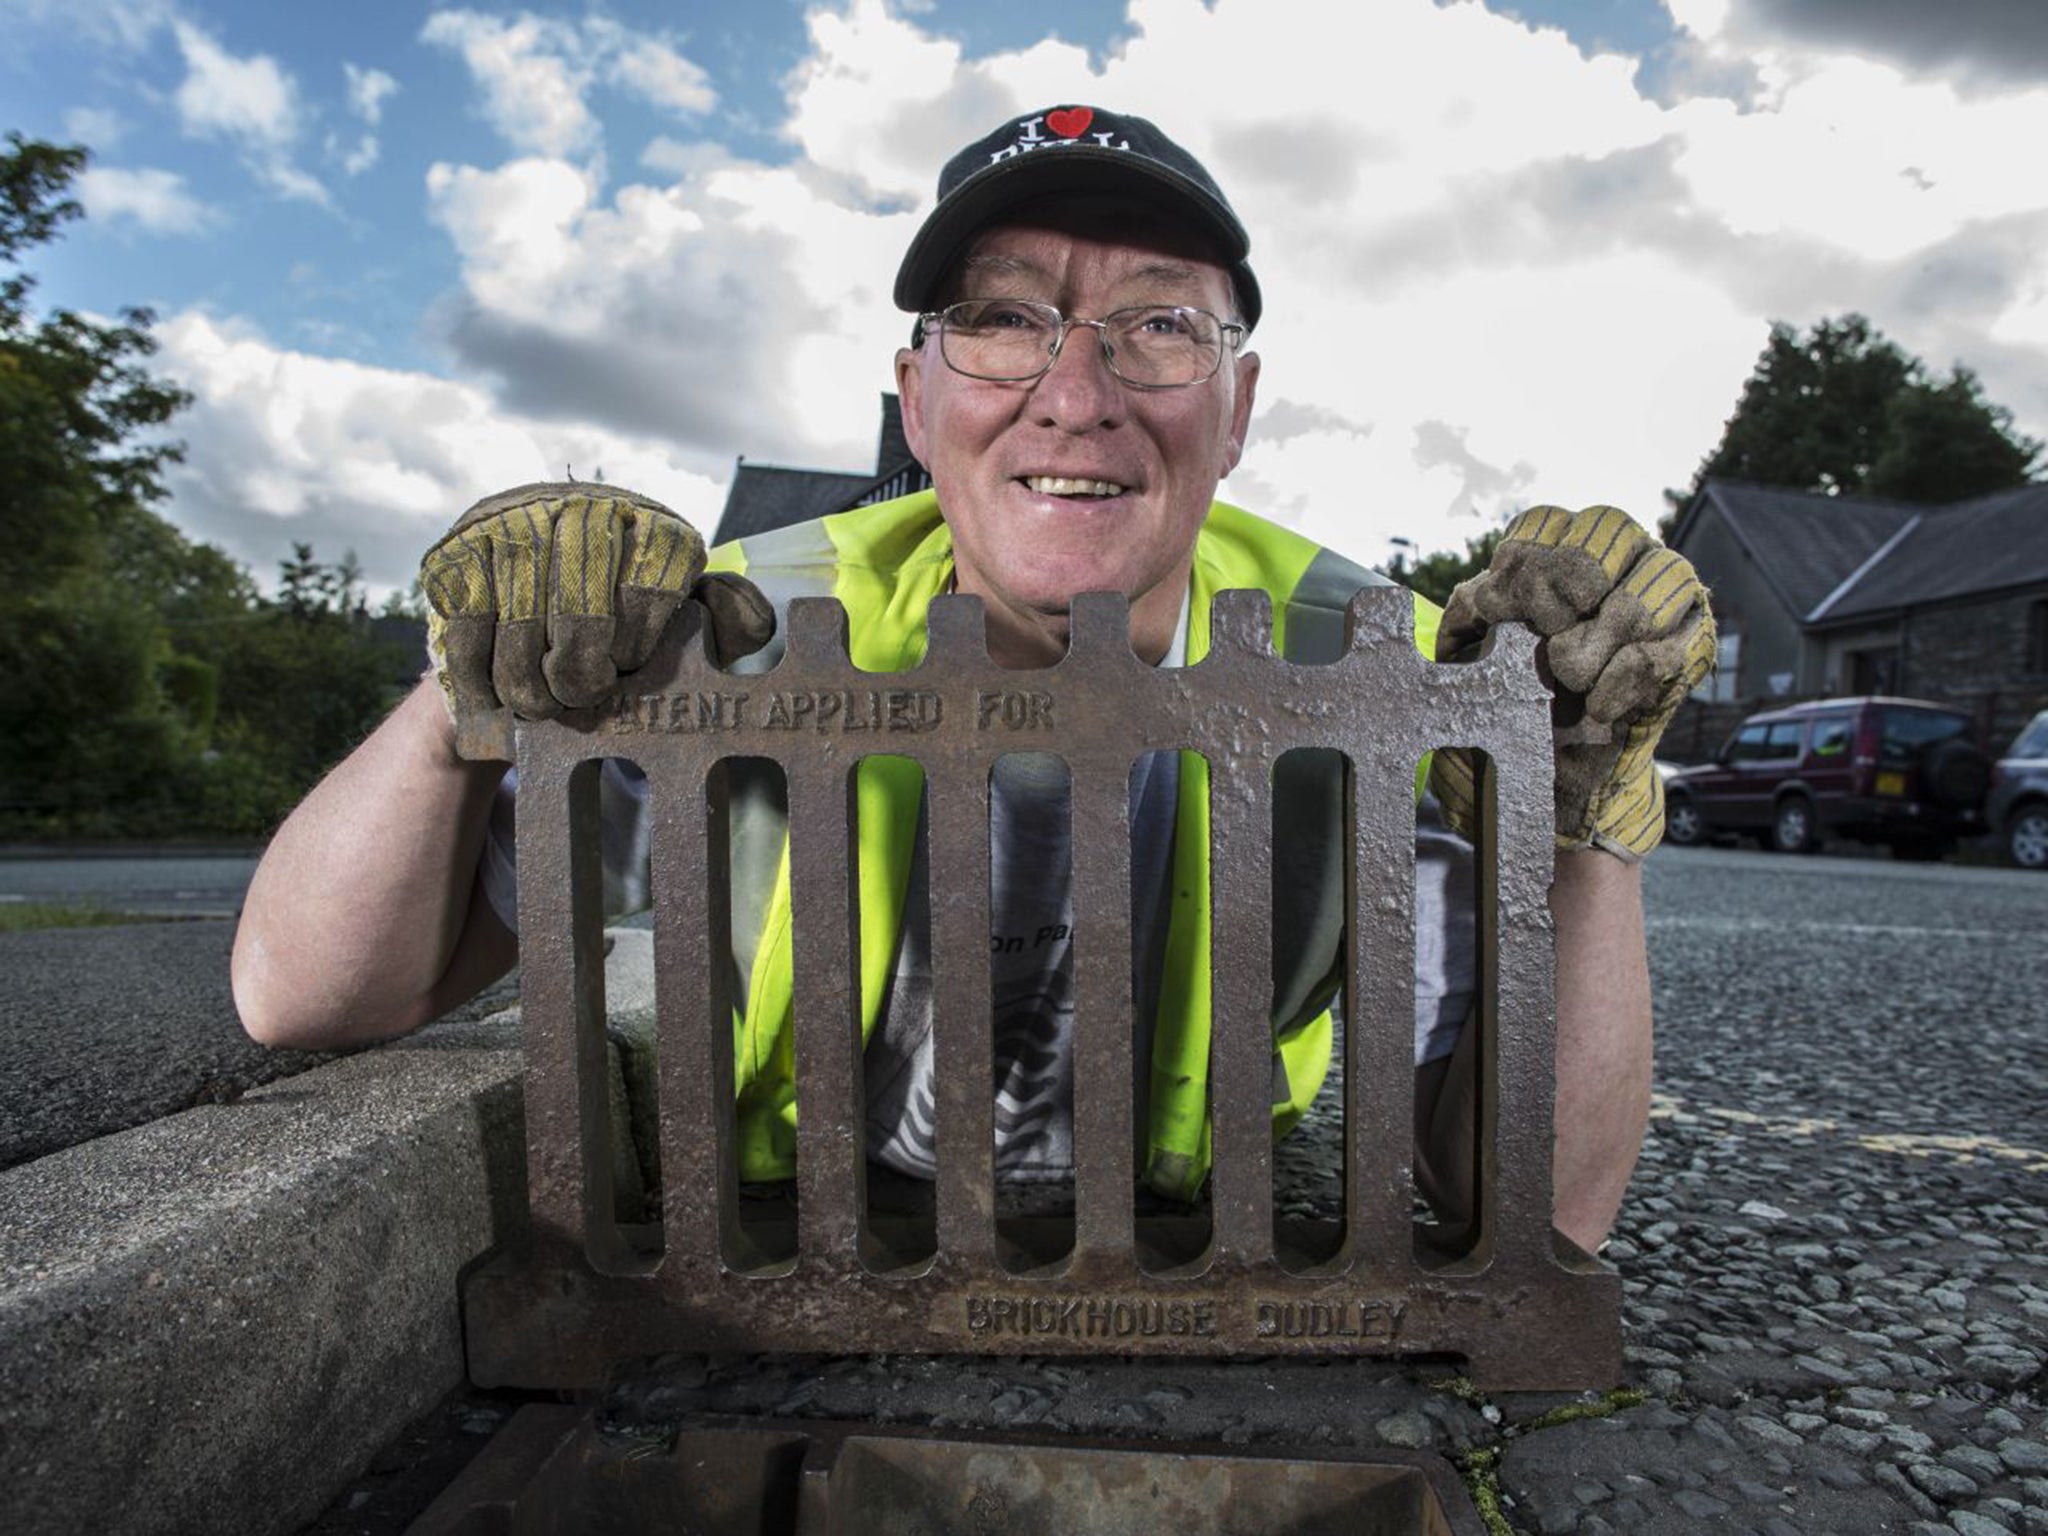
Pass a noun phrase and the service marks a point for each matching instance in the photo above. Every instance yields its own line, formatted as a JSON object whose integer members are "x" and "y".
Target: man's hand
{"x": 542, "y": 596}
{"x": 1626, "y": 634}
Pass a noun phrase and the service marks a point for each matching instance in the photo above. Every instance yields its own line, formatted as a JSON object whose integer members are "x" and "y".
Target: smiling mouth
{"x": 1061, "y": 485}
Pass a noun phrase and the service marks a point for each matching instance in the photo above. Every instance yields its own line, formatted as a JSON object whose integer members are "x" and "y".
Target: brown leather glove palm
{"x": 1626, "y": 635}
{"x": 541, "y": 596}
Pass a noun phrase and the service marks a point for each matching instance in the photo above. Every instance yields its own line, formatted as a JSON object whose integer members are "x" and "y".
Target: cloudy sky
{"x": 1524, "y": 250}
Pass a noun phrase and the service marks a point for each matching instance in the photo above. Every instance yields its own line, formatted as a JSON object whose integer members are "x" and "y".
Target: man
{"x": 1077, "y": 385}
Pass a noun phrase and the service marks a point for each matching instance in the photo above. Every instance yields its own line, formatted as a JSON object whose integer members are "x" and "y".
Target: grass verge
{"x": 29, "y": 916}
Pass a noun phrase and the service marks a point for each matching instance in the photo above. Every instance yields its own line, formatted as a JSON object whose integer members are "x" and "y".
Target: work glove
{"x": 1625, "y": 634}
{"x": 541, "y": 596}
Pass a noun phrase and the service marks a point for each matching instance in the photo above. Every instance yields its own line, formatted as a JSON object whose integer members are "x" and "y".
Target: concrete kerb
{"x": 209, "y": 1323}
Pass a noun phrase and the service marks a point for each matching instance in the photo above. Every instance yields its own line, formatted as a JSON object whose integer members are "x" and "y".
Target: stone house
{"x": 1820, "y": 595}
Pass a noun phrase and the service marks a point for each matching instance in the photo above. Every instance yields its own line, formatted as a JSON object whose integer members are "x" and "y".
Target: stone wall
{"x": 1975, "y": 655}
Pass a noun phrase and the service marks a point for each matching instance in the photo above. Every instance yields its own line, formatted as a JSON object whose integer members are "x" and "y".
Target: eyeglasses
{"x": 1009, "y": 341}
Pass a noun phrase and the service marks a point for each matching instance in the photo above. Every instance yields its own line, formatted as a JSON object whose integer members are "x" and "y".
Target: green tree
{"x": 84, "y": 714}
{"x": 305, "y": 678}
{"x": 146, "y": 687}
{"x": 1436, "y": 574}
{"x": 1842, "y": 409}
{"x": 1946, "y": 442}
{"x": 79, "y": 452}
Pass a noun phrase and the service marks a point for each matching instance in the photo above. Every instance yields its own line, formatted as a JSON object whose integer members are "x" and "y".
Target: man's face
{"x": 1075, "y": 481}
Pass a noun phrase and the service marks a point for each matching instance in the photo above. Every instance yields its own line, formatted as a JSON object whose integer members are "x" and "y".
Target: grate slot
{"x": 962, "y": 1040}
{"x": 1518, "y": 1090}
{"x": 1103, "y": 1234}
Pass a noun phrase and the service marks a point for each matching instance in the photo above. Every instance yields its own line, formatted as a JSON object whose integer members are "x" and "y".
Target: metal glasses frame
{"x": 1231, "y": 337}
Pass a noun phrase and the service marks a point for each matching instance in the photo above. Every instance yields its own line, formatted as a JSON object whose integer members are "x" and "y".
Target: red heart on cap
{"x": 1070, "y": 123}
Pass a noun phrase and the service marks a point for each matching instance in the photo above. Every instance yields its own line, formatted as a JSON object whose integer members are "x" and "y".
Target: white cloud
{"x": 699, "y": 311}
{"x": 156, "y": 200}
{"x": 99, "y": 128}
{"x": 532, "y": 81}
{"x": 1855, "y": 154}
{"x": 654, "y": 71}
{"x": 284, "y": 445}
{"x": 535, "y": 73}
{"x": 367, "y": 89}
{"x": 250, "y": 99}
{"x": 251, "y": 102}
{"x": 1496, "y": 271}
{"x": 1702, "y": 18}
{"x": 128, "y": 26}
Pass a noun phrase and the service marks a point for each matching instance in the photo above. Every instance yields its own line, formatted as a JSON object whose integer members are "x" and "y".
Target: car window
{"x": 2033, "y": 741}
{"x": 1831, "y": 735}
{"x": 1748, "y": 744}
{"x": 1783, "y": 740}
{"x": 1906, "y": 731}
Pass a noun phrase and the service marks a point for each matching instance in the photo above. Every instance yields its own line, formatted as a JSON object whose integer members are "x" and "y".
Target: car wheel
{"x": 2026, "y": 837}
{"x": 1955, "y": 774}
{"x": 1683, "y": 823}
{"x": 1792, "y": 828}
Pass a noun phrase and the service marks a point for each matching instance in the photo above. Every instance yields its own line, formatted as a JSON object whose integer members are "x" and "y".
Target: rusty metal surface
{"x": 552, "y": 1471}
{"x": 1524, "y": 1308}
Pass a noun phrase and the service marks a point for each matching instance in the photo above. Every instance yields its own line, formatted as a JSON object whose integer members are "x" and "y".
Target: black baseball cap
{"x": 1059, "y": 150}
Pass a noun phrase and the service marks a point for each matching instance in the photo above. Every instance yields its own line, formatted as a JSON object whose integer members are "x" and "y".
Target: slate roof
{"x": 1994, "y": 542}
{"x": 1833, "y": 559}
{"x": 763, "y": 497}
{"x": 768, "y": 496}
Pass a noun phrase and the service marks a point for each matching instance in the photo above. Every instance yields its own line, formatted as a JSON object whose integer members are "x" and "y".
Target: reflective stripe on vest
{"x": 885, "y": 563}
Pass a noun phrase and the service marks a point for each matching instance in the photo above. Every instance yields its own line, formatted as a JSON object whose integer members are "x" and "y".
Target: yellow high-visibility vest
{"x": 886, "y": 563}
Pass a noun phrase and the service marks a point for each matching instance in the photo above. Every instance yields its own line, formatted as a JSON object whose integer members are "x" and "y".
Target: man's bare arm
{"x": 365, "y": 918}
{"x": 1603, "y": 1060}
{"x": 1603, "y": 1039}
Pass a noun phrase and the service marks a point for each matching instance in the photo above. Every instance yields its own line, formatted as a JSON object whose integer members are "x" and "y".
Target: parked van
{"x": 1901, "y": 772}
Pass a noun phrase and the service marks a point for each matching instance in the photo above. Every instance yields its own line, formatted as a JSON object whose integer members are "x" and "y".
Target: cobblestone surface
{"x": 1833, "y": 1253}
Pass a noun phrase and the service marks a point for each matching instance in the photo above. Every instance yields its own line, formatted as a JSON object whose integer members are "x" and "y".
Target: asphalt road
{"x": 171, "y": 885}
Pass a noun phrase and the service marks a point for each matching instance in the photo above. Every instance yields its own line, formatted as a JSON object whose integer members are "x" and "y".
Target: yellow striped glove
{"x": 539, "y": 597}
{"x": 1626, "y": 634}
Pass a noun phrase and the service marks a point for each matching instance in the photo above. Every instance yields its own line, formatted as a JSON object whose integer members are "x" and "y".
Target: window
{"x": 2037, "y": 635}
{"x": 2033, "y": 740}
{"x": 1783, "y": 739}
{"x": 1719, "y": 685}
{"x": 1748, "y": 744}
{"x": 1831, "y": 735}
{"x": 1906, "y": 731}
